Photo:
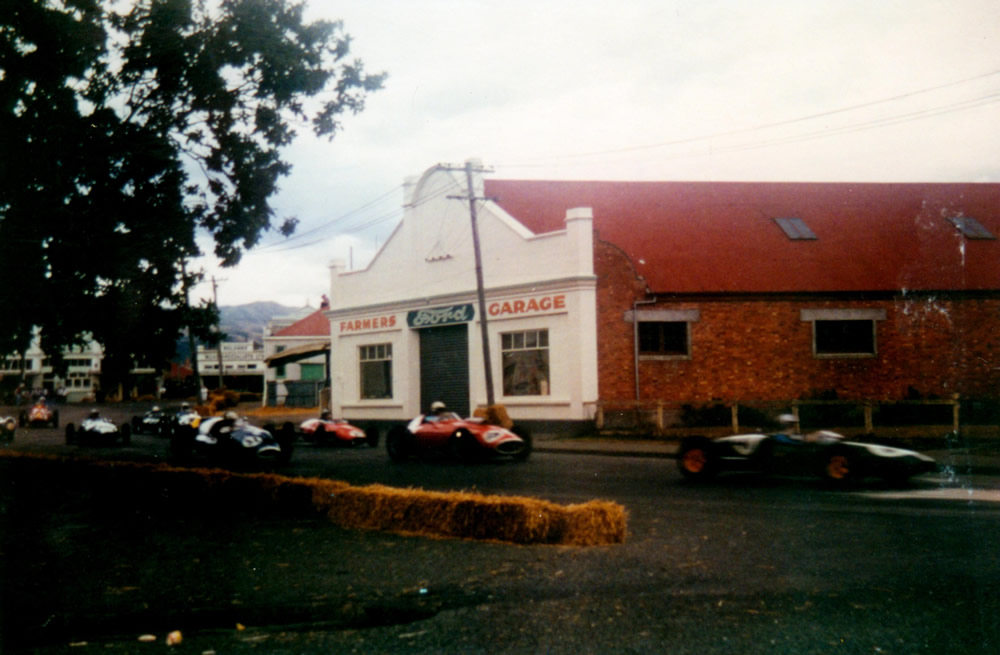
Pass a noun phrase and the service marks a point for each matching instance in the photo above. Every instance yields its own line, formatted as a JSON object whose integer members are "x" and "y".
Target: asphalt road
{"x": 745, "y": 564}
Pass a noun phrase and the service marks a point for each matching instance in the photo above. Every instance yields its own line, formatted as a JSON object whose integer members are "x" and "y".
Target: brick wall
{"x": 759, "y": 349}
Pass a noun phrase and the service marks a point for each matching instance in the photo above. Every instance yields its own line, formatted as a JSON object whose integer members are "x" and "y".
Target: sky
{"x": 716, "y": 90}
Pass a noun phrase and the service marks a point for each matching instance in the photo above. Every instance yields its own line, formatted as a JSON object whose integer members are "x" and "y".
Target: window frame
{"x": 818, "y": 316}
{"x": 510, "y": 351}
{"x": 369, "y": 355}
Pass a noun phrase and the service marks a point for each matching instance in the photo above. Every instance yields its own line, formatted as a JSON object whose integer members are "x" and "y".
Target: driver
{"x": 438, "y": 411}
{"x": 325, "y": 415}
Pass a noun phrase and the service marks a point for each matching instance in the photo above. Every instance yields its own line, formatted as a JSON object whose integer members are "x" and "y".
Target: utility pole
{"x": 191, "y": 345}
{"x": 480, "y": 292}
{"x": 218, "y": 345}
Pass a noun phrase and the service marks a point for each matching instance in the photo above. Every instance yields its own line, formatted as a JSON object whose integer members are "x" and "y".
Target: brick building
{"x": 780, "y": 291}
{"x": 676, "y": 292}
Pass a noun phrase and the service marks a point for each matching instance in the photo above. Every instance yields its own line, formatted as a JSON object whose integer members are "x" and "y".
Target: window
{"x": 795, "y": 229}
{"x": 376, "y": 370}
{"x": 854, "y": 337}
{"x": 844, "y": 332}
{"x": 971, "y": 228}
{"x": 668, "y": 338}
{"x": 525, "y": 357}
{"x": 279, "y": 370}
{"x": 311, "y": 372}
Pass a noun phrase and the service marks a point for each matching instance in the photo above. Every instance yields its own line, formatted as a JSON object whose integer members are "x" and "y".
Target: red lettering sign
{"x": 529, "y": 306}
{"x": 363, "y": 324}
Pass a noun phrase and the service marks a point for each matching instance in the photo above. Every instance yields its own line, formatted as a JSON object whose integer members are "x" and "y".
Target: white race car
{"x": 824, "y": 453}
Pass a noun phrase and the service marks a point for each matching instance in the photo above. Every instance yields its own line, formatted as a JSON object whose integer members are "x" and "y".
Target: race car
{"x": 470, "y": 439}
{"x": 163, "y": 423}
{"x": 97, "y": 430}
{"x": 152, "y": 422}
{"x": 230, "y": 439}
{"x": 8, "y": 426}
{"x": 338, "y": 432}
{"x": 823, "y": 453}
{"x": 39, "y": 414}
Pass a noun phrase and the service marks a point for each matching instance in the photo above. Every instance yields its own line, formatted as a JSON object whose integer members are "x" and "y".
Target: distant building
{"x": 242, "y": 365}
{"x": 35, "y": 372}
{"x": 297, "y": 356}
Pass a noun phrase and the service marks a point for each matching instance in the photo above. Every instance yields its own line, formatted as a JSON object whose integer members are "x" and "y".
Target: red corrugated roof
{"x": 314, "y": 325}
{"x": 709, "y": 237}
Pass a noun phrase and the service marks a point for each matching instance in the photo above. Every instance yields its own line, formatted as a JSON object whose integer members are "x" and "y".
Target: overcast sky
{"x": 837, "y": 90}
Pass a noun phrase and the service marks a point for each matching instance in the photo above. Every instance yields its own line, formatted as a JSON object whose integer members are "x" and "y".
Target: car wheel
{"x": 23, "y": 419}
{"x": 697, "y": 459}
{"x": 55, "y": 419}
{"x": 840, "y": 467}
{"x": 182, "y": 443}
{"x": 70, "y": 434}
{"x": 398, "y": 443}
{"x": 126, "y": 432}
{"x": 526, "y": 438}
{"x": 286, "y": 437}
{"x": 136, "y": 424}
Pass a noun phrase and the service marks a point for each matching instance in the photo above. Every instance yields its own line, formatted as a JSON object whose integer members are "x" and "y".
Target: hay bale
{"x": 459, "y": 514}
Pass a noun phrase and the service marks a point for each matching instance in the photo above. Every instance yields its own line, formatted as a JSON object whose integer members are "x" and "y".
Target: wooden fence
{"x": 660, "y": 417}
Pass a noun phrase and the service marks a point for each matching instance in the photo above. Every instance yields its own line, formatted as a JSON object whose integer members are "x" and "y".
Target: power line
{"x": 763, "y": 126}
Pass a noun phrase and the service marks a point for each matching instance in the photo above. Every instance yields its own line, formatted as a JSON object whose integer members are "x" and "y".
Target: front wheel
{"x": 526, "y": 438}
{"x": 697, "y": 459}
{"x": 397, "y": 443}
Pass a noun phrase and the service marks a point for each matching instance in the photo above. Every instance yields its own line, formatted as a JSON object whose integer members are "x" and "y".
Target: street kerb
{"x": 453, "y": 514}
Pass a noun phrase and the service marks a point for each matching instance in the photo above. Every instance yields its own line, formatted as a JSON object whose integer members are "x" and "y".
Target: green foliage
{"x": 125, "y": 134}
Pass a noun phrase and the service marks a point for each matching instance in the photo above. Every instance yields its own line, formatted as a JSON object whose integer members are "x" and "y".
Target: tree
{"x": 127, "y": 128}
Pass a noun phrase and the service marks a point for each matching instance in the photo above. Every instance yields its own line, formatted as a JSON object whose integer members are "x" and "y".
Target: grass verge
{"x": 461, "y": 515}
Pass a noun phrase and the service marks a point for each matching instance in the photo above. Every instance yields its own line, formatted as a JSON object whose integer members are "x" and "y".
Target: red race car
{"x": 324, "y": 431}
{"x": 40, "y": 414}
{"x": 467, "y": 438}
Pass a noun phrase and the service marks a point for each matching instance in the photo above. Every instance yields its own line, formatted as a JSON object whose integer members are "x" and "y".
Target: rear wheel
{"x": 463, "y": 444}
{"x": 70, "y": 434}
{"x": 697, "y": 459}
{"x": 397, "y": 443}
{"x": 286, "y": 439}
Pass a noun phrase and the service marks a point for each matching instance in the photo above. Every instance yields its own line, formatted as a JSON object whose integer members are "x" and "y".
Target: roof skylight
{"x": 971, "y": 228}
{"x": 795, "y": 229}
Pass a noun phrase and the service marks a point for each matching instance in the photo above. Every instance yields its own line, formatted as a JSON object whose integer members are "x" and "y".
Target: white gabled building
{"x": 405, "y": 331}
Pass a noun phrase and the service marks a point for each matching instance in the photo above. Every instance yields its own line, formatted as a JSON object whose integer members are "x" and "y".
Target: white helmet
{"x": 437, "y": 406}
{"x": 231, "y": 415}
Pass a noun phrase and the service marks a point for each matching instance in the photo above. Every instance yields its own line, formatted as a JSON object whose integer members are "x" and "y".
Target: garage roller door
{"x": 444, "y": 367}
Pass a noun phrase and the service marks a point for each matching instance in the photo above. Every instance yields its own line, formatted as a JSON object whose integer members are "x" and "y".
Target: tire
{"x": 23, "y": 419}
{"x": 398, "y": 443}
{"x": 126, "y": 433}
{"x": 286, "y": 437}
{"x": 840, "y": 467}
{"x": 182, "y": 443}
{"x": 528, "y": 444}
{"x": 70, "y": 434}
{"x": 136, "y": 425}
{"x": 697, "y": 459}
{"x": 55, "y": 419}
{"x": 463, "y": 444}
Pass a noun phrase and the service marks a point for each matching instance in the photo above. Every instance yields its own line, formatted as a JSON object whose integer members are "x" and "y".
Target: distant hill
{"x": 242, "y": 323}
{"x": 247, "y": 322}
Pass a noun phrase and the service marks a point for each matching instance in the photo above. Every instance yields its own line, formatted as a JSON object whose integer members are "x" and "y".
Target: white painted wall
{"x": 429, "y": 262}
